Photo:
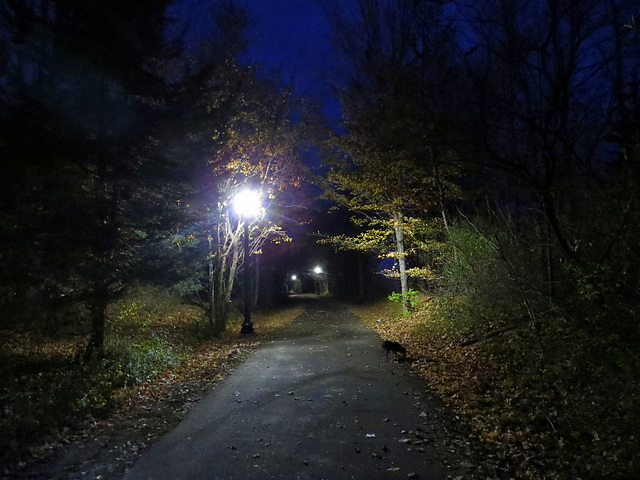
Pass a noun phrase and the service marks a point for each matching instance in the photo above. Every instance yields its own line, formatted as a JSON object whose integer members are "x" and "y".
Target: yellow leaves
{"x": 181, "y": 241}
{"x": 424, "y": 273}
{"x": 362, "y": 242}
{"x": 489, "y": 436}
{"x": 281, "y": 239}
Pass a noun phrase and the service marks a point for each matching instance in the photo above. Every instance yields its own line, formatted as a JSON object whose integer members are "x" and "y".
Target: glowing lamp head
{"x": 317, "y": 270}
{"x": 247, "y": 203}
{"x": 294, "y": 277}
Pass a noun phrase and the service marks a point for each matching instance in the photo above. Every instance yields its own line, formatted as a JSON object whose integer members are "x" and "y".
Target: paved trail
{"x": 321, "y": 402}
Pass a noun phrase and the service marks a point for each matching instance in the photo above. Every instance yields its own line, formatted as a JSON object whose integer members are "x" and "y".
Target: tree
{"x": 254, "y": 145}
{"x": 552, "y": 85}
{"x": 391, "y": 166}
{"x": 80, "y": 94}
{"x": 548, "y": 99}
{"x": 397, "y": 188}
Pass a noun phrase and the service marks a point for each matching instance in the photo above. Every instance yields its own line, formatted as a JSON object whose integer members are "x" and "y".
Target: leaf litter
{"x": 105, "y": 443}
{"x": 492, "y": 426}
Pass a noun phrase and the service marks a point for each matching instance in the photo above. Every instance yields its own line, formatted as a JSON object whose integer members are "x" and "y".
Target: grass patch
{"x": 152, "y": 341}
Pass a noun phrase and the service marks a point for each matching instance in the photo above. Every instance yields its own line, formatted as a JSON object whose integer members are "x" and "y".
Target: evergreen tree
{"x": 81, "y": 94}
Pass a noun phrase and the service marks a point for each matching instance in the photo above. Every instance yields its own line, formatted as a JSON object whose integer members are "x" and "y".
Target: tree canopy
{"x": 122, "y": 150}
{"x": 487, "y": 158}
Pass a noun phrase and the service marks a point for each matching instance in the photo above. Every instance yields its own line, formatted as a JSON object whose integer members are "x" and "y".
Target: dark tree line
{"x": 490, "y": 148}
{"x": 501, "y": 125}
{"x": 121, "y": 147}
{"x": 79, "y": 99}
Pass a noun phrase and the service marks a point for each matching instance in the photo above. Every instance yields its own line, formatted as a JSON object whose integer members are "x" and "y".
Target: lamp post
{"x": 247, "y": 205}
{"x": 322, "y": 284}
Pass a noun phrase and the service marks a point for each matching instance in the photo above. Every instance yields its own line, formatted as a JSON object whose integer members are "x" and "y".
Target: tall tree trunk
{"x": 220, "y": 306}
{"x": 402, "y": 261}
{"x": 256, "y": 280}
{"x": 102, "y": 251}
{"x": 230, "y": 278}
{"x": 98, "y": 320}
{"x": 441, "y": 195}
{"x": 211, "y": 310}
{"x": 225, "y": 280}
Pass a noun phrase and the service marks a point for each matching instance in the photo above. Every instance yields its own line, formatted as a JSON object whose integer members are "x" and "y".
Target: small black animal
{"x": 394, "y": 347}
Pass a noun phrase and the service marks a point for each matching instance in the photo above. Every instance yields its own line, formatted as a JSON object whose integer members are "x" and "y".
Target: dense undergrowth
{"x": 47, "y": 391}
{"x": 547, "y": 403}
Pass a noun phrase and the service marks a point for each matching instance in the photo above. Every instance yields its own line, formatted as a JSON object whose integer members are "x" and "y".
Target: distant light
{"x": 317, "y": 270}
{"x": 247, "y": 203}
{"x": 294, "y": 277}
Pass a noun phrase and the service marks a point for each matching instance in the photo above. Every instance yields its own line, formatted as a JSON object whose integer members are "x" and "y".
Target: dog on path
{"x": 395, "y": 347}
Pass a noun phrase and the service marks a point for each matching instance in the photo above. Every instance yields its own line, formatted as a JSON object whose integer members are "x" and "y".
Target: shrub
{"x": 412, "y": 297}
{"x": 143, "y": 361}
{"x": 477, "y": 290}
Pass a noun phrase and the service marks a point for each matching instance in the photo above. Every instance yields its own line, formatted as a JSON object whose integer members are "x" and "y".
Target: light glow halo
{"x": 247, "y": 203}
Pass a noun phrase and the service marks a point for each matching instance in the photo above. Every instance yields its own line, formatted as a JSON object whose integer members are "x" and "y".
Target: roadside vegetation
{"x": 506, "y": 215}
{"x": 154, "y": 342}
{"x": 550, "y": 393}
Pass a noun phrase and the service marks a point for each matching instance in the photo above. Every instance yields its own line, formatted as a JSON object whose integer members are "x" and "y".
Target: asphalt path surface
{"x": 321, "y": 401}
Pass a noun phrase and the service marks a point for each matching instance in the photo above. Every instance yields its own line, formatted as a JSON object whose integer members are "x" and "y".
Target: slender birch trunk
{"x": 402, "y": 261}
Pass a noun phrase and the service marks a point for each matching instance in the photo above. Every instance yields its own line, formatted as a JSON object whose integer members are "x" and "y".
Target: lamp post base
{"x": 247, "y": 329}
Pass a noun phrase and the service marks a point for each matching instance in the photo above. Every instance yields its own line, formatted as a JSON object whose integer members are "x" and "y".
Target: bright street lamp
{"x": 322, "y": 286}
{"x": 247, "y": 204}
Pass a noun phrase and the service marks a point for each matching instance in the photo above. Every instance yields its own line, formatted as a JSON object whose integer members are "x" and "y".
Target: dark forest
{"x": 482, "y": 186}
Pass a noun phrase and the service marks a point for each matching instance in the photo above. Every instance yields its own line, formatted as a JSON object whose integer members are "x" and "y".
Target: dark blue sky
{"x": 290, "y": 36}
{"x": 287, "y": 38}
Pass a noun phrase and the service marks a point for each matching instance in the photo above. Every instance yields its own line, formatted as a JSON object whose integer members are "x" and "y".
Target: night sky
{"x": 288, "y": 40}
{"x": 290, "y": 37}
